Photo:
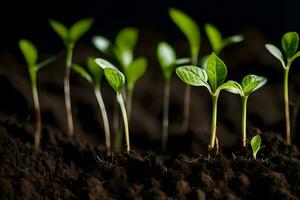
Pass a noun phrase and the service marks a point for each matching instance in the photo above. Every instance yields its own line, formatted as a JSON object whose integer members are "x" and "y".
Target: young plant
{"x": 212, "y": 78}
{"x": 217, "y": 41}
{"x": 117, "y": 81}
{"x": 70, "y": 37}
{"x": 256, "y": 145}
{"x": 289, "y": 43}
{"x": 249, "y": 84}
{"x": 191, "y": 31}
{"x": 94, "y": 76}
{"x": 122, "y": 51}
{"x": 31, "y": 57}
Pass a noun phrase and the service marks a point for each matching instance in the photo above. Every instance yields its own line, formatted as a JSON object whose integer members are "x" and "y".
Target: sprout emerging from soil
{"x": 289, "y": 43}
{"x": 249, "y": 84}
{"x": 191, "y": 31}
{"x": 256, "y": 145}
{"x": 31, "y": 56}
{"x": 116, "y": 80}
{"x": 167, "y": 60}
{"x": 70, "y": 37}
{"x": 94, "y": 76}
{"x": 122, "y": 51}
{"x": 212, "y": 78}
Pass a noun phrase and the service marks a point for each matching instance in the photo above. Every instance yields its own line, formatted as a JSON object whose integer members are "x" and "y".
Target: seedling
{"x": 191, "y": 31}
{"x": 94, "y": 76}
{"x": 212, "y": 78}
{"x": 289, "y": 43}
{"x": 116, "y": 79}
{"x": 217, "y": 41}
{"x": 70, "y": 37}
{"x": 168, "y": 61}
{"x": 122, "y": 51}
{"x": 31, "y": 56}
{"x": 256, "y": 145}
{"x": 249, "y": 84}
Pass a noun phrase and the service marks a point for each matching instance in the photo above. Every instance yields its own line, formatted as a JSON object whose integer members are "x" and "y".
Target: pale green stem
{"x": 38, "y": 126}
{"x": 129, "y": 94}
{"x": 104, "y": 118}
{"x": 165, "y": 121}
{"x": 125, "y": 120}
{"x": 214, "y": 121}
{"x": 67, "y": 91}
{"x": 286, "y": 103}
{"x": 244, "y": 120}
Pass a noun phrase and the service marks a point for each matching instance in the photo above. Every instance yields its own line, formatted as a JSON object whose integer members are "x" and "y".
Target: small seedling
{"x": 256, "y": 145}
{"x": 217, "y": 41}
{"x": 116, "y": 79}
{"x": 70, "y": 37}
{"x": 94, "y": 76}
{"x": 249, "y": 84}
{"x": 31, "y": 56}
{"x": 191, "y": 31}
{"x": 122, "y": 51}
{"x": 212, "y": 78}
{"x": 289, "y": 43}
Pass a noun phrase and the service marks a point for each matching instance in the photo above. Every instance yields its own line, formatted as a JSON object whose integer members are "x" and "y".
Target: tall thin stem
{"x": 165, "y": 121}
{"x": 213, "y": 121}
{"x": 104, "y": 118}
{"x": 38, "y": 126}
{"x": 244, "y": 120}
{"x": 129, "y": 94}
{"x": 125, "y": 120}
{"x": 67, "y": 92}
{"x": 286, "y": 104}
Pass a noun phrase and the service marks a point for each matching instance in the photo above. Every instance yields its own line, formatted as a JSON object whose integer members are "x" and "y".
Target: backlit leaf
{"x": 115, "y": 78}
{"x": 166, "y": 58}
{"x": 251, "y": 82}
{"x": 135, "y": 71}
{"x": 289, "y": 43}
{"x": 216, "y": 71}
{"x": 80, "y": 28}
{"x": 192, "y": 75}
{"x": 82, "y": 72}
{"x": 275, "y": 52}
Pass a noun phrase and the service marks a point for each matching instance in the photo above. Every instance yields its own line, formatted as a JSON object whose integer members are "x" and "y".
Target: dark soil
{"x": 72, "y": 169}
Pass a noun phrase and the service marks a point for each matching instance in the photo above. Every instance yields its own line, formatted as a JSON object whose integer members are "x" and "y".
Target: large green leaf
{"x": 251, "y": 82}
{"x": 276, "y": 53}
{"x": 135, "y": 71}
{"x": 95, "y": 70}
{"x": 167, "y": 59}
{"x": 215, "y": 37}
{"x": 193, "y": 75}
{"x": 290, "y": 42}
{"x": 29, "y": 52}
{"x": 216, "y": 71}
{"x": 115, "y": 78}
{"x": 61, "y": 30}
{"x": 102, "y": 44}
{"x": 82, "y": 72}
{"x": 80, "y": 28}
{"x": 189, "y": 28}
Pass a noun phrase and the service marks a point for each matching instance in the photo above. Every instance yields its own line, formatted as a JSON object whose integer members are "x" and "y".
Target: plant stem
{"x": 286, "y": 104}
{"x": 244, "y": 120}
{"x": 129, "y": 94}
{"x": 125, "y": 120}
{"x": 67, "y": 91}
{"x": 38, "y": 126}
{"x": 165, "y": 121}
{"x": 214, "y": 121}
{"x": 104, "y": 118}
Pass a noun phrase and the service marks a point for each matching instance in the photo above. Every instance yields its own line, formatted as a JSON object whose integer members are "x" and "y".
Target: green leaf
{"x": 183, "y": 61}
{"x": 216, "y": 71}
{"x": 289, "y": 43}
{"x": 232, "y": 40}
{"x": 95, "y": 70}
{"x": 233, "y": 87}
{"x": 166, "y": 58}
{"x": 296, "y": 55}
{"x": 256, "y": 145}
{"x": 193, "y": 75}
{"x": 61, "y": 30}
{"x": 124, "y": 57}
{"x": 103, "y": 45}
{"x": 82, "y": 72}
{"x": 29, "y": 52}
{"x": 126, "y": 39}
{"x": 251, "y": 82}
{"x": 46, "y": 62}
{"x": 80, "y": 28}
{"x": 104, "y": 63}
{"x": 276, "y": 53}
{"x": 215, "y": 37}
{"x": 115, "y": 78}
{"x": 135, "y": 71}
{"x": 189, "y": 28}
